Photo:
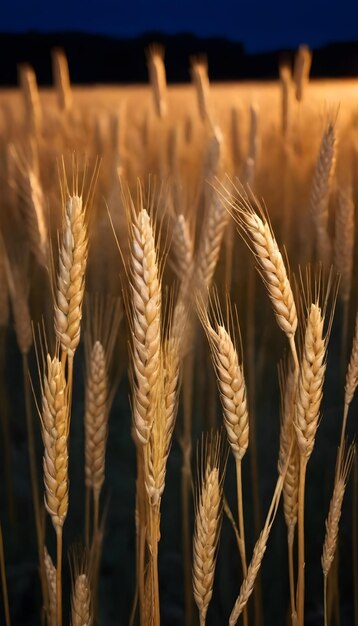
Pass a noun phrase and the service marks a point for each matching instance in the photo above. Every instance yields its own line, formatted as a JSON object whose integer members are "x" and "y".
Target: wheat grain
{"x": 51, "y": 587}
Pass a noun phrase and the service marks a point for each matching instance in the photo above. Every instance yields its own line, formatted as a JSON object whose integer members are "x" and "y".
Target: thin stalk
{"x": 34, "y": 475}
{"x": 3, "y": 581}
{"x": 325, "y": 600}
{"x": 240, "y": 511}
{"x": 59, "y": 576}
{"x": 96, "y": 495}
{"x": 6, "y": 433}
{"x": 355, "y": 539}
{"x": 188, "y": 372}
{"x": 154, "y": 564}
{"x": 291, "y": 573}
{"x": 301, "y": 544}
{"x": 255, "y": 490}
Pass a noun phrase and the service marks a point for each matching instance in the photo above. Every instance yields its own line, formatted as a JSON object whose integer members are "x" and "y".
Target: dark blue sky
{"x": 259, "y": 24}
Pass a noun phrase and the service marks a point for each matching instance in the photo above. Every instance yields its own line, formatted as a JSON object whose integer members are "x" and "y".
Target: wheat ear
{"x": 343, "y": 468}
{"x": 199, "y": 75}
{"x": 320, "y": 191}
{"x": 61, "y": 77}
{"x": 302, "y": 68}
{"x": 146, "y": 316}
{"x": 231, "y": 383}
{"x": 344, "y": 240}
{"x": 247, "y": 586}
{"x": 157, "y": 76}
{"x": 55, "y": 431}
{"x": 81, "y": 614}
{"x": 71, "y": 275}
{"x": 308, "y": 401}
{"x": 208, "y": 514}
{"x": 352, "y": 370}
{"x": 51, "y": 587}
{"x": 256, "y": 229}
{"x": 183, "y": 246}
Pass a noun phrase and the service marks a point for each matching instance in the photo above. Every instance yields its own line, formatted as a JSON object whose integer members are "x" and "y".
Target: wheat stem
{"x": 240, "y": 509}
{"x": 3, "y": 581}
{"x": 59, "y": 575}
{"x": 301, "y": 543}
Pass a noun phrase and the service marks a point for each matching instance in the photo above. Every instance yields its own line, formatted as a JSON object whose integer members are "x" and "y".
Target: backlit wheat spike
{"x": 146, "y": 310}
{"x": 344, "y": 240}
{"x": 247, "y": 586}
{"x": 320, "y": 191}
{"x": 33, "y": 211}
{"x": 352, "y": 370}
{"x": 288, "y": 439}
{"x": 214, "y": 158}
{"x": 285, "y": 80}
{"x": 51, "y": 587}
{"x": 208, "y": 513}
{"x": 235, "y": 134}
{"x": 183, "y": 246}
{"x": 96, "y": 418}
{"x": 160, "y": 439}
{"x": 61, "y": 78}
{"x": 232, "y": 388}
{"x": 335, "y": 509}
{"x": 71, "y": 275}
{"x": 310, "y": 384}
{"x": 199, "y": 75}
{"x": 33, "y": 111}
{"x": 302, "y": 69}
{"x": 55, "y": 430}
{"x": 214, "y": 227}
{"x": 261, "y": 240}
{"x": 81, "y": 613}
{"x": 158, "y": 80}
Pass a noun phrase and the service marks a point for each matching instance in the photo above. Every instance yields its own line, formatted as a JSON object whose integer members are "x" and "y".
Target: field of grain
{"x": 179, "y": 351}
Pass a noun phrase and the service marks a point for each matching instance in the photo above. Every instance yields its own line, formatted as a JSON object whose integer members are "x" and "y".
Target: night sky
{"x": 259, "y": 24}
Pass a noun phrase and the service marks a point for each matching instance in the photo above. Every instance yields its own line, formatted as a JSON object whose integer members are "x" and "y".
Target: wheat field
{"x": 179, "y": 350}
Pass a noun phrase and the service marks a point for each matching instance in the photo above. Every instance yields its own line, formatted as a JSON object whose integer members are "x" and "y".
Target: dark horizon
{"x": 99, "y": 58}
{"x": 259, "y": 25}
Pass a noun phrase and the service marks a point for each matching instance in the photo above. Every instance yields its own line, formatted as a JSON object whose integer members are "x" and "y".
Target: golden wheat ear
{"x": 256, "y": 231}
{"x": 156, "y": 68}
{"x": 103, "y": 318}
{"x": 332, "y": 523}
{"x": 211, "y": 465}
{"x": 69, "y": 284}
{"x": 81, "y": 597}
{"x": 352, "y": 370}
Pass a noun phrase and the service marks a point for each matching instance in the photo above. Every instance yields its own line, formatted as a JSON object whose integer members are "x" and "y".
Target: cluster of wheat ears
{"x": 135, "y": 257}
